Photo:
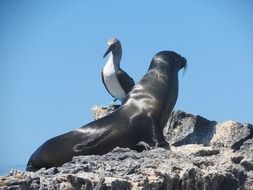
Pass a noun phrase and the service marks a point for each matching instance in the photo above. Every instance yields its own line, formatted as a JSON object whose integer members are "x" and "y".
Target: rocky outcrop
{"x": 204, "y": 155}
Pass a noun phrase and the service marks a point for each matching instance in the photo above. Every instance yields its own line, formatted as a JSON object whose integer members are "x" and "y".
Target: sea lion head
{"x": 168, "y": 60}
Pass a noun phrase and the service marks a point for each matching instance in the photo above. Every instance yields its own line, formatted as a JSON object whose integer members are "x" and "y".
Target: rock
{"x": 128, "y": 169}
{"x": 183, "y": 128}
{"x": 98, "y": 111}
{"x": 236, "y": 159}
{"x": 231, "y": 134}
{"x": 204, "y": 155}
{"x": 247, "y": 146}
{"x": 247, "y": 163}
{"x": 79, "y": 182}
{"x": 248, "y": 183}
{"x": 196, "y": 150}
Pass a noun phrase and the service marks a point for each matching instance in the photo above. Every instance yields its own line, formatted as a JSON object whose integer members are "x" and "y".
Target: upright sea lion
{"x": 141, "y": 118}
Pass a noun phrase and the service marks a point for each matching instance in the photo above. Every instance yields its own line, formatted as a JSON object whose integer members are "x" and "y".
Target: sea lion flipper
{"x": 164, "y": 144}
{"x": 141, "y": 146}
{"x": 91, "y": 141}
{"x": 158, "y": 136}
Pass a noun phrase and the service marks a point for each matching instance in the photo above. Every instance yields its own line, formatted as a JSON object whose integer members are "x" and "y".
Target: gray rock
{"x": 231, "y": 134}
{"x": 100, "y": 111}
{"x": 205, "y": 155}
{"x": 183, "y": 128}
{"x": 247, "y": 163}
{"x": 237, "y": 159}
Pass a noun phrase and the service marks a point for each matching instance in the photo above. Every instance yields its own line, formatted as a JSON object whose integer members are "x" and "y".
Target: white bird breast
{"x": 112, "y": 82}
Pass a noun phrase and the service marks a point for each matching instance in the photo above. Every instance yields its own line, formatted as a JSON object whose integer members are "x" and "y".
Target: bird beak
{"x": 109, "y": 49}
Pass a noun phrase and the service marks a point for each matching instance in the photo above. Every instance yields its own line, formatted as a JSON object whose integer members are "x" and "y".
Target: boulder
{"x": 204, "y": 154}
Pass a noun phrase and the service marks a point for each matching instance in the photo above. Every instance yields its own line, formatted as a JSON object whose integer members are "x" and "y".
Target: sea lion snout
{"x": 183, "y": 63}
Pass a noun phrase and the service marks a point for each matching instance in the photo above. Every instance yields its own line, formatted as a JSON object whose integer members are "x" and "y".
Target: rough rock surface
{"x": 205, "y": 155}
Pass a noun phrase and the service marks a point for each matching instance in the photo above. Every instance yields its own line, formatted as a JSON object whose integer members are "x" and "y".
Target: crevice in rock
{"x": 238, "y": 144}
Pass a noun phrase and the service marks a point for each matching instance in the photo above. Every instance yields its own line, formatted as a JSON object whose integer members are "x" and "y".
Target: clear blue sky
{"x": 51, "y": 61}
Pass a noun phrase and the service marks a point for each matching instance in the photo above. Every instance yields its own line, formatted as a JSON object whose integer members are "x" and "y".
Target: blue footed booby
{"x": 116, "y": 81}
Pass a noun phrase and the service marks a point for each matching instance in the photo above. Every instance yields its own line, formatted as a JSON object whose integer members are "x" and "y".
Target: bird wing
{"x": 125, "y": 80}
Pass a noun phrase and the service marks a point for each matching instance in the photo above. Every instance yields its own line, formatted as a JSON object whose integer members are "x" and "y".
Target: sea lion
{"x": 141, "y": 118}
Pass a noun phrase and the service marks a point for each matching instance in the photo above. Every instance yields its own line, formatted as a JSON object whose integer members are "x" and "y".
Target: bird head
{"x": 114, "y": 45}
